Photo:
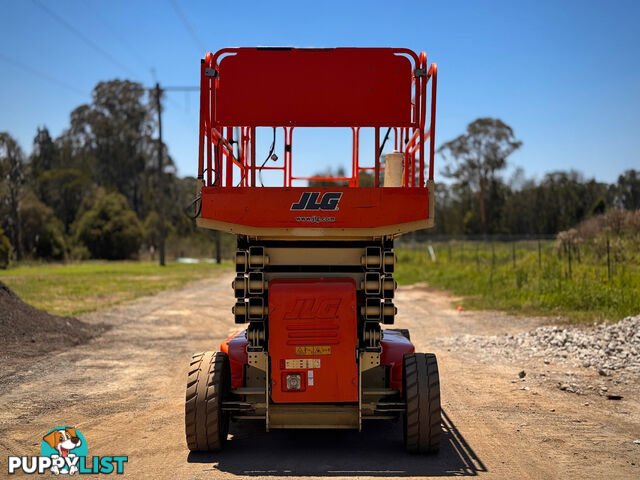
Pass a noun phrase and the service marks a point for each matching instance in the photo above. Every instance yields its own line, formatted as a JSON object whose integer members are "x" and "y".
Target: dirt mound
{"x": 27, "y": 332}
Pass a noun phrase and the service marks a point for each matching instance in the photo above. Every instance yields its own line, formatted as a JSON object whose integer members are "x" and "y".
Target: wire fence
{"x": 595, "y": 279}
{"x": 606, "y": 257}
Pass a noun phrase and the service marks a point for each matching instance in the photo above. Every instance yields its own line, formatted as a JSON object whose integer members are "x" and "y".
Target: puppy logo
{"x": 64, "y": 443}
{"x": 64, "y": 451}
{"x": 63, "y": 440}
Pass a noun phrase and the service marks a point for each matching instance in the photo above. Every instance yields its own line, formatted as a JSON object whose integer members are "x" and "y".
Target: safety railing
{"x": 225, "y": 149}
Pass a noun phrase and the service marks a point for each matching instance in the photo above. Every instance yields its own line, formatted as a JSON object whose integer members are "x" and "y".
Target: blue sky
{"x": 563, "y": 74}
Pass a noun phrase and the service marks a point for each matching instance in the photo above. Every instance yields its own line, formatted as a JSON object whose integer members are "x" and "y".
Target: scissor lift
{"x": 314, "y": 265}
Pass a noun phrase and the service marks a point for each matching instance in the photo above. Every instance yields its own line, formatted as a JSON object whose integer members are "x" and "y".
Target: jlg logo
{"x": 313, "y": 201}
{"x": 313, "y": 308}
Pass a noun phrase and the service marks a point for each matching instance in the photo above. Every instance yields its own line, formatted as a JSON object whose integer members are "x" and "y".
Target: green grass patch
{"x": 84, "y": 287}
{"x": 542, "y": 280}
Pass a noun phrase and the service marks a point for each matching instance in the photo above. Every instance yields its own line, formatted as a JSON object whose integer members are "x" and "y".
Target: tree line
{"x": 96, "y": 190}
{"x": 480, "y": 200}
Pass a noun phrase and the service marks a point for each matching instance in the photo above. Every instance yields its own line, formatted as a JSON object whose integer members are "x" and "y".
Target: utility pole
{"x": 161, "y": 191}
{"x": 161, "y": 202}
{"x": 218, "y": 247}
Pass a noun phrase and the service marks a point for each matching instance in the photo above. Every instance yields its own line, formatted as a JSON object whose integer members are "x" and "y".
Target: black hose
{"x": 273, "y": 146}
{"x": 386, "y": 137}
{"x": 198, "y": 211}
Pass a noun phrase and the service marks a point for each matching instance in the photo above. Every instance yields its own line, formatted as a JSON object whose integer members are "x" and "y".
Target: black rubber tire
{"x": 208, "y": 384}
{"x": 421, "y": 387}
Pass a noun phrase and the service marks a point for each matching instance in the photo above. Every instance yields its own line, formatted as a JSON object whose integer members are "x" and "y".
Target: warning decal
{"x": 313, "y": 350}
{"x": 302, "y": 363}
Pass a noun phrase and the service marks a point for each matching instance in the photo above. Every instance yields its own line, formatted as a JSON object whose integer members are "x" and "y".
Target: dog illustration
{"x": 63, "y": 441}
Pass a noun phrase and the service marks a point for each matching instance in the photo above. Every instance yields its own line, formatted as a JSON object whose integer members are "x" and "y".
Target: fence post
{"x": 539, "y": 255}
{"x": 608, "y": 261}
{"x": 493, "y": 262}
{"x": 477, "y": 257}
{"x": 513, "y": 253}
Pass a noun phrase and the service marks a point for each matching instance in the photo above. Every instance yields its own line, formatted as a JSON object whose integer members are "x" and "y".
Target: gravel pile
{"x": 603, "y": 347}
{"x": 27, "y": 332}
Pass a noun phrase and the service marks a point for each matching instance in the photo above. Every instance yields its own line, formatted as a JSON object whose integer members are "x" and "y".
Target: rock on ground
{"x": 604, "y": 348}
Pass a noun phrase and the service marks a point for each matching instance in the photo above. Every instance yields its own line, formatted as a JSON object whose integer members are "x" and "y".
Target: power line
{"x": 116, "y": 35}
{"x": 182, "y": 89}
{"x": 41, "y": 75}
{"x": 80, "y": 35}
{"x": 177, "y": 105}
{"x": 185, "y": 89}
{"x": 187, "y": 25}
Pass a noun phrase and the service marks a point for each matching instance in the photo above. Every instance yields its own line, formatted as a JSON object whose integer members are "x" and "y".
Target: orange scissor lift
{"x": 314, "y": 265}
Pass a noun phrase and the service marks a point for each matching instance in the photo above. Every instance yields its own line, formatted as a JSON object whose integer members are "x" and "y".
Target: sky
{"x": 564, "y": 74}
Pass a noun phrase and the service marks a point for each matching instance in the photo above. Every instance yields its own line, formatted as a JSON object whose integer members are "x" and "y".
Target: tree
{"x": 329, "y": 183}
{"x": 366, "y": 179}
{"x": 477, "y": 156}
{"x": 152, "y": 229}
{"x": 64, "y": 189}
{"x": 112, "y": 137}
{"x": 42, "y": 233}
{"x": 45, "y": 155}
{"x": 627, "y": 190}
{"x": 109, "y": 228}
{"x": 12, "y": 170}
{"x": 564, "y": 199}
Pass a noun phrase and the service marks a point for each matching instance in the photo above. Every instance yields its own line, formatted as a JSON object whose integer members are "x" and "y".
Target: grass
{"x": 539, "y": 283}
{"x": 84, "y": 287}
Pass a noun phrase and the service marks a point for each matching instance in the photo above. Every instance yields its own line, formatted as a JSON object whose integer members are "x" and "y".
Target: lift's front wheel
{"x": 209, "y": 382}
{"x": 422, "y": 395}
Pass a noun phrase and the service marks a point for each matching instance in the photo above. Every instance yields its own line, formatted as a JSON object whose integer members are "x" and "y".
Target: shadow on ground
{"x": 376, "y": 451}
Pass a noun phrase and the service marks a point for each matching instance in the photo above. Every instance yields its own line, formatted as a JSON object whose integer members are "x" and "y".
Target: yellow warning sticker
{"x": 313, "y": 350}
{"x": 302, "y": 363}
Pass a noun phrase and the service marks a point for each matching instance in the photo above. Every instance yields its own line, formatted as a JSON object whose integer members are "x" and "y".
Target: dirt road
{"x": 125, "y": 391}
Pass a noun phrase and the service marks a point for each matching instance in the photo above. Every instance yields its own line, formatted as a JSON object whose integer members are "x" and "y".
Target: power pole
{"x": 162, "y": 233}
{"x": 218, "y": 247}
{"x": 160, "y": 202}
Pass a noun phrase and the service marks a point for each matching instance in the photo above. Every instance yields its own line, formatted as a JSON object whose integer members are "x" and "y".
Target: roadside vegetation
{"x": 88, "y": 286}
{"x": 96, "y": 192}
{"x": 588, "y": 273}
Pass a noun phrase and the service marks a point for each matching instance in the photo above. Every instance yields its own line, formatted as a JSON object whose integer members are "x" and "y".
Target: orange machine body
{"x": 313, "y": 207}
{"x": 313, "y": 333}
{"x": 394, "y": 347}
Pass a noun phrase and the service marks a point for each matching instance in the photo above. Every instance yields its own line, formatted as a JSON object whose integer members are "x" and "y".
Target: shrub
{"x": 616, "y": 232}
{"x": 63, "y": 190}
{"x": 78, "y": 252}
{"x": 109, "y": 228}
{"x": 42, "y": 232}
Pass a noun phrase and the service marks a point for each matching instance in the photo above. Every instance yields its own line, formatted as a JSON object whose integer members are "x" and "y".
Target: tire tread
{"x": 206, "y": 426}
{"x": 422, "y": 422}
